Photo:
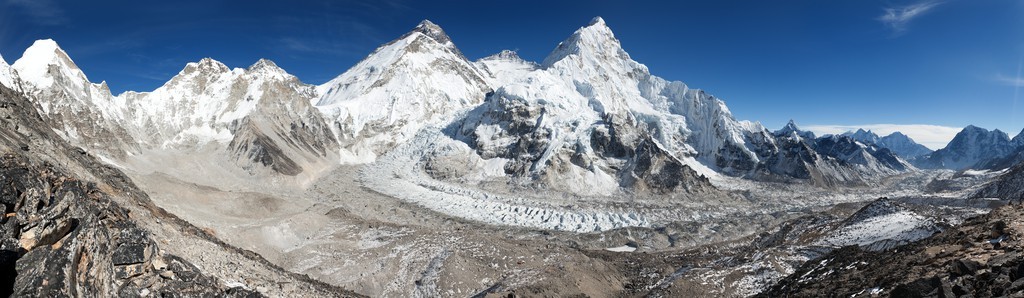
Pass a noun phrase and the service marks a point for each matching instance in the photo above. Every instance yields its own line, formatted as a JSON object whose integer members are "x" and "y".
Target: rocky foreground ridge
{"x": 72, "y": 226}
{"x": 983, "y": 257}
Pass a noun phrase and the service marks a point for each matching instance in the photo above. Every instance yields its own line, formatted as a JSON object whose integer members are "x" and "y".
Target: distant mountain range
{"x": 976, "y": 148}
{"x": 898, "y": 142}
{"x": 972, "y": 148}
{"x": 587, "y": 110}
{"x": 588, "y": 113}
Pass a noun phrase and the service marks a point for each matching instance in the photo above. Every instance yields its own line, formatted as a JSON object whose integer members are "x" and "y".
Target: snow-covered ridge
{"x": 404, "y": 85}
{"x": 201, "y": 102}
{"x": 588, "y": 88}
{"x": 8, "y": 76}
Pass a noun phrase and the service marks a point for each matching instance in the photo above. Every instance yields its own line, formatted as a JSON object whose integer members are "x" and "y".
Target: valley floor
{"x": 343, "y": 230}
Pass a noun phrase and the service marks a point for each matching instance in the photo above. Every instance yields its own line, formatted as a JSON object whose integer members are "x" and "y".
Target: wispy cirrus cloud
{"x": 898, "y": 18}
{"x": 1011, "y": 81}
{"x": 931, "y": 136}
{"x": 43, "y": 12}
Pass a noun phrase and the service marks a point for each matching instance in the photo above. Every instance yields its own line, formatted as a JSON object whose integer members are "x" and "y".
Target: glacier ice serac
{"x": 587, "y": 120}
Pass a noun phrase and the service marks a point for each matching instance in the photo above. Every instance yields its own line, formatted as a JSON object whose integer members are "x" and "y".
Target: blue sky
{"x": 826, "y": 64}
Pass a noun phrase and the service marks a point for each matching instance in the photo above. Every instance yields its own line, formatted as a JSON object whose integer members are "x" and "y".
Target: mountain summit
{"x": 898, "y": 142}
{"x": 792, "y": 129}
{"x": 970, "y": 148}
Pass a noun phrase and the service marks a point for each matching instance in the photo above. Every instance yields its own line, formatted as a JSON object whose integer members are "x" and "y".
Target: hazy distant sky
{"x": 826, "y": 64}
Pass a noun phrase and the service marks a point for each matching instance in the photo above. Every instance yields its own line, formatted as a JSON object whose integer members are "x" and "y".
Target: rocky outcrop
{"x": 981, "y": 257}
{"x": 64, "y": 237}
{"x": 1009, "y": 186}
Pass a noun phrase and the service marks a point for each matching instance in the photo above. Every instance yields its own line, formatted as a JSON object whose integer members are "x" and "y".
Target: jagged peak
{"x": 1020, "y": 136}
{"x": 863, "y": 135}
{"x": 594, "y": 38}
{"x": 504, "y": 55}
{"x": 971, "y": 130}
{"x": 428, "y": 28}
{"x": 205, "y": 65}
{"x": 44, "y": 45}
{"x": 266, "y": 65}
{"x": 791, "y": 125}
{"x": 971, "y": 127}
{"x": 41, "y": 52}
{"x": 33, "y": 66}
{"x": 793, "y": 130}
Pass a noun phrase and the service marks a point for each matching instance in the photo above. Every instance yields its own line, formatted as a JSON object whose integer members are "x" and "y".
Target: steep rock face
{"x": 404, "y": 85}
{"x": 82, "y": 112}
{"x": 972, "y": 147}
{"x": 980, "y": 257}
{"x": 1008, "y": 161}
{"x": 284, "y": 134}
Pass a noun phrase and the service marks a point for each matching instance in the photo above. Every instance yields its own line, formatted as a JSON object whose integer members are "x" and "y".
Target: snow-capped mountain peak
{"x": 969, "y": 148}
{"x": 594, "y": 41}
{"x": 504, "y": 55}
{"x": 34, "y": 65}
{"x": 791, "y": 129}
{"x": 206, "y": 65}
{"x": 265, "y": 64}
{"x": 266, "y": 69}
{"x": 903, "y": 145}
{"x": 428, "y": 28}
{"x": 865, "y": 136}
{"x": 405, "y": 84}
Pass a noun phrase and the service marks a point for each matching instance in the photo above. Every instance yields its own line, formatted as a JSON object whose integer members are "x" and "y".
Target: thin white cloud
{"x": 43, "y": 12}
{"x": 1010, "y": 81}
{"x": 897, "y": 18}
{"x": 931, "y": 136}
